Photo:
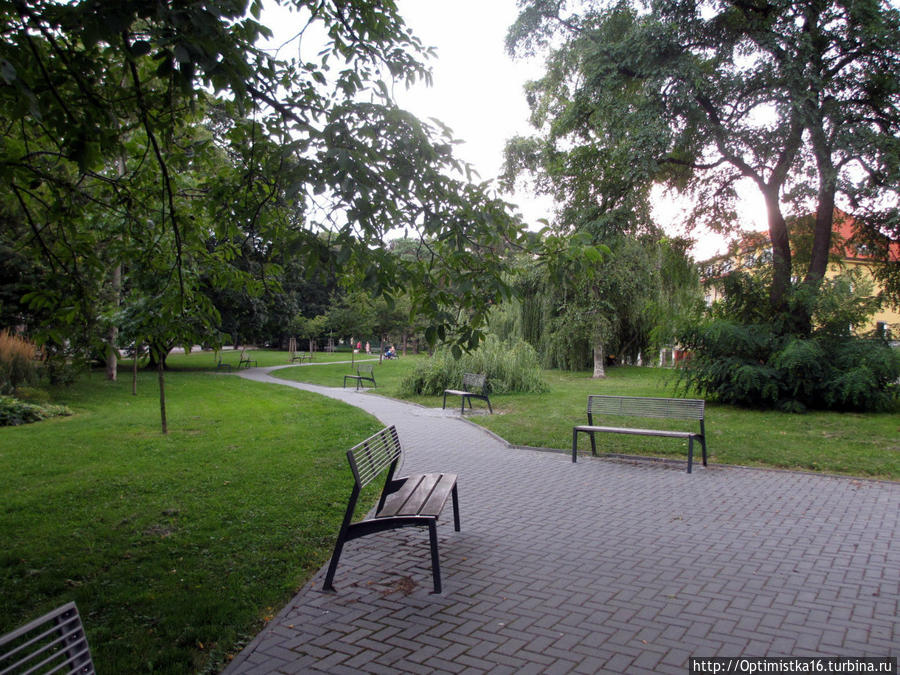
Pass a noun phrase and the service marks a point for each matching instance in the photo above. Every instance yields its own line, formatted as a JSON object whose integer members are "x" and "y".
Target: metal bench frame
{"x": 470, "y": 381}
{"x": 245, "y": 361}
{"x": 360, "y": 378}
{"x": 639, "y": 406}
{"x": 411, "y": 501}
{"x": 301, "y": 357}
{"x": 54, "y": 643}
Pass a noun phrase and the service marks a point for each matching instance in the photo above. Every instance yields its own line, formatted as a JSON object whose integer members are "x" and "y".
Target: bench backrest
{"x": 639, "y": 406}
{"x": 374, "y": 455}
{"x": 365, "y": 369}
{"x": 53, "y": 643}
{"x": 474, "y": 381}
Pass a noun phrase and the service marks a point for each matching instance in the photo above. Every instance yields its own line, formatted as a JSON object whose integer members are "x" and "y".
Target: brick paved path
{"x": 599, "y": 566}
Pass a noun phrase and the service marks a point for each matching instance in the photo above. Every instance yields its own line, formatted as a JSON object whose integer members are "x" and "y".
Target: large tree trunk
{"x": 781, "y": 253}
{"x": 599, "y": 365}
{"x": 821, "y": 246}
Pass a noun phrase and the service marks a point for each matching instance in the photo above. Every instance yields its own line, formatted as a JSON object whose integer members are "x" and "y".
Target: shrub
{"x": 510, "y": 366}
{"x": 755, "y": 366}
{"x": 14, "y": 412}
{"x": 17, "y": 362}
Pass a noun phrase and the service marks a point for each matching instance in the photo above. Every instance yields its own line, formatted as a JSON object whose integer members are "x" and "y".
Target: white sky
{"x": 478, "y": 92}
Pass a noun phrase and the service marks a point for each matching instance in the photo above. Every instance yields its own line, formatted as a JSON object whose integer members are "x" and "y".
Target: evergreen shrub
{"x": 756, "y": 366}
{"x": 510, "y": 366}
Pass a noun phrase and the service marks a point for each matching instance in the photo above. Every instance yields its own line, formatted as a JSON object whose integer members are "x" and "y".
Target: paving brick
{"x": 604, "y": 565}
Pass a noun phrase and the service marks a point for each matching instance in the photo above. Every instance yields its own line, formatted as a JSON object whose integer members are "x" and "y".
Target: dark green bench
{"x": 637, "y": 406}
{"x": 411, "y": 501}
{"x": 364, "y": 373}
{"x": 473, "y": 386}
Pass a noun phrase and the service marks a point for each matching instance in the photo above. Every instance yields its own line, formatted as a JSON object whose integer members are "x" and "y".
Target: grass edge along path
{"x": 175, "y": 548}
{"x": 865, "y": 445}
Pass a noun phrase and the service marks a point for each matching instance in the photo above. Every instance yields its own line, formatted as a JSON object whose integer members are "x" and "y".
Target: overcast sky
{"x": 477, "y": 89}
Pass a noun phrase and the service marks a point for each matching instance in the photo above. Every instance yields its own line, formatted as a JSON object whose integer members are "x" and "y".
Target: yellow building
{"x": 754, "y": 250}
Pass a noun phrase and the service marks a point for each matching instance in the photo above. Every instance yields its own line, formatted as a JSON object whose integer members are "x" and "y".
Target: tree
{"x": 619, "y": 297}
{"x": 800, "y": 97}
{"x": 160, "y": 137}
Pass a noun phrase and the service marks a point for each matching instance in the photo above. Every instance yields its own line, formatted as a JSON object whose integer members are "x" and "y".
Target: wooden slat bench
{"x": 411, "y": 501}
{"x": 473, "y": 386}
{"x": 364, "y": 373}
{"x": 54, "y": 643}
{"x": 638, "y": 406}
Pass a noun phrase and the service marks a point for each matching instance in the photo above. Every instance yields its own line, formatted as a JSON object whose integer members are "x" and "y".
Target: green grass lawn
{"x": 175, "y": 547}
{"x": 847, "y": 443}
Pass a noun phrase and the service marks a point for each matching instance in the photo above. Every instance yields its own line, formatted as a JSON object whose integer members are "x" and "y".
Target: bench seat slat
{"x": 639, "y": 432}
{"x": 423, "y": 495}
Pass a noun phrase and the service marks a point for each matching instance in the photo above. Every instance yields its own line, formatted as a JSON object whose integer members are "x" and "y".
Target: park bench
{"x": 412, "y": 501}
{"x": 245, "y": 360}
{"x": 637, "y": 406}
{"x": 364, "y": 373}
{"x": 301, "y": 357}
{"x": 473, "y": 386}
{"x": 53, "y": 643}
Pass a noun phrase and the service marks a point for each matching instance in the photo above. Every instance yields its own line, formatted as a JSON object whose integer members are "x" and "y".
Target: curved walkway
{"x": 599, "y": 566}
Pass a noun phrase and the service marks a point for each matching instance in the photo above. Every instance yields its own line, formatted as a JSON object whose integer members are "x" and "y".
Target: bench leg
{"x": 490, "y": 409}
{"x": 444, "y": 407}
{"x": 574, "y": 445}
{"x": 455, "y": 495}
{"x": 690, "y": 453}
{"x": 593, "y": 444}
{"x": 435, "y": 563}
{"x": 332, "y": 566}
{"x": 463, "y": 408}
{"x": 703, "y": 446}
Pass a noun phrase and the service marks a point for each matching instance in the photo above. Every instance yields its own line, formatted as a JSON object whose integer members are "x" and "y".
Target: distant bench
{"x": 364, "y": 373}
{"x": 473, "y": 386}
{"x": 301, "y": 357}
{"x": 245, "y": 360}
{"x": 637, "y": 406}
{"x": 413, "y": 501}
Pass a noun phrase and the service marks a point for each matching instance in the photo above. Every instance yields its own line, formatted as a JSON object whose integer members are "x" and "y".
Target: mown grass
{"x": 177, "y": 547}
{"x": 865, "y": 445}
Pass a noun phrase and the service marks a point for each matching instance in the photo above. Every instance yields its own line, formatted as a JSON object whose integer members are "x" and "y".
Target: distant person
{"x": 368, "y": 348}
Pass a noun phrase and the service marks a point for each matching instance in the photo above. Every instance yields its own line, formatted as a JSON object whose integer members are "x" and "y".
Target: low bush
{"x": 14, "y": 412}
{"x": 510, "y": 366}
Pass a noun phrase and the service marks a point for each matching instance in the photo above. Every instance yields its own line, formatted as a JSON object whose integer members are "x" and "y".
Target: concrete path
{"x": 600, "y": 566}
